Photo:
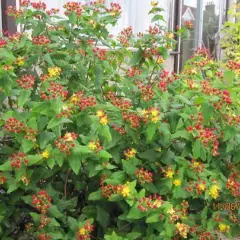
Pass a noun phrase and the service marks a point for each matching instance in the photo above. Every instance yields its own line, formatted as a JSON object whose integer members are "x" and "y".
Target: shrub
{"x": 106, "y": 144}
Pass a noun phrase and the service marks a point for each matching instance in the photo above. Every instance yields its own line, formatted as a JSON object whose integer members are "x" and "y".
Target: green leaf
{"x": 6, "y": 166}
{"x": 181, "y": 134}
{"x": 102, "y": 216}
{"x": 72, "y": 17}
{"x": 228, "y": 77}
{"x": 128, "y": 167}
{"x": 33, "y": 159}
{"x": 136, "y": 57}
{"x": 27, "y": 145}
{"x": 95, "y": 196}
{"x": 207, "y": 111}
{"x": 48, "y": 59}
{"x": 229, "y": 132}
{"x": 45, "y": 137}
{"x": 104, "y": 154}
{"x": 54, "y": 122}
{"x": 150, "y": 132}
{"x": 98, "y": 75}
{"x": 38, "y": 29}
{"x": 7, "y": 54}
{"x": 73, "y": 224}
{"x": 153, "y": 218}
{"x": 135, "y": 213}
{"x": 75, "y": 162}
{"x": 54, "y": 212}
{"x": 23, "y": 97}
{"x": 196, "y": 149}
{"x": 158, "y": 18}
{"x": 133, "y": 235}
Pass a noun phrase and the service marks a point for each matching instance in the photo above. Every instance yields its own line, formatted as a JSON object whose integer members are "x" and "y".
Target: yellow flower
{"x": 170, "y": 211}
{"x": 154, "y": 119}
{"x": 160, "y": 60}
{"x": 196, "y": 164}
{"x": 100, "y": 113}
{"x": 25, "y": 180}
{"x": 125, "y": 191}
{"x": 214, "y": 191}
{"x": 68, "y": 137}
{"x": 65, "y": 107}
{"x": 20, "y": 61}
{"x": 182, "y": 229}
{"x": 170, "y": 35}
{"x": 223, "y": 227}
{"x": 155, "y": 113}
{"x": 177, "y": 182}
{"x": 169, "y": 173}
{"x": 74, "y": 98}
{"x": 82, "y": 231}
{"x": 104, "y": 120}
{"x": 45, "y": 154}
{"x": 92, "y": 146}
{"x": 54, "y": 71}
{"x": 93, "y": 23}
{"x": 201, "y": 187}
{"x": 154, "y": 3}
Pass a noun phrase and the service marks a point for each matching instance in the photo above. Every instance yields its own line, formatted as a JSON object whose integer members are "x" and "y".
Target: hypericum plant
{"x": 98, "y": 141}
{"x": 231, "y": 32}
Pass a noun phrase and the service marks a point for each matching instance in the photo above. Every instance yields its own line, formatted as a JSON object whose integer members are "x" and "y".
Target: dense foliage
{"x": 98, "y": 141}
{"x": 231, "y": 34}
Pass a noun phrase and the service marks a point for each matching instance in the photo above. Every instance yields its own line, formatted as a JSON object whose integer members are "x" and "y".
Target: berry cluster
{"x": 108, "y": 189}
{"x": 133, "y": 72}
{"x": 52, "y": 11}
{"x": 206, "y": 236}
{"x": 54, "y": 71}
{"x": 101, "y": 54}
{"x": 95, "y": 146}
{"x": 132, "y": 118}
{"x": 2, "y": 43}
{"x": 26, "y": 81}
{"x": 17, "y": 159}
{"x": 121, "y": 130}
{"x": 31, "y": 134}
{"x": 115, "y": 9}
{"x": 84, "y": 233}
{"x": 202, "y": 52}
{"x": 73, "y": 7}
{"x": 40, "y": 40}
{"x": 121, "y": 103}
{"x": 12, "y": 11}
{"x": 14, "y": 126}
{"x": 151, "y": 202}
{"x": 103, "y": 119}
{"x": 205, "y": 135}
{"x": 15, "y": 37}
{"x": 24, "y": 3}
{"x": 188, "y": 24}
{"x": 234, "y": 66}
{"x": 197, "y": 167}
{"x": 66, "y": 143}
{"x": 125, "y": 35}
{"x": 148, "y": 53}
{"x": 42, "y": 201}
{"x": 43, "y": 236}
{"x": 66, "y": 112}
{"x": 86, "y": 102}
{"x": 147, "y": 92}
{"x": 130, "y": 153}
{"x": 39, "y": 5}
{"x": 144, "y": 176}
{"x": 233, "y": 185}
{"x": 44, "y": 221}
{"x": 2, "y": 179}
{"x": 153, "y": 30}
{"x": 166, "y": 78}
{"x": 55, "y": 90}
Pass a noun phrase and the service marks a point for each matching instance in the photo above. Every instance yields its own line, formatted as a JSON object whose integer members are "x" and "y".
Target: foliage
{"x": 106, "y": 144}
{"x": 231, "y": 34}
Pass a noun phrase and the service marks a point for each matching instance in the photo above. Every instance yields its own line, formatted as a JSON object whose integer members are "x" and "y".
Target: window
{"x": 207, "y": 19}
{"x": 134, "y": 13}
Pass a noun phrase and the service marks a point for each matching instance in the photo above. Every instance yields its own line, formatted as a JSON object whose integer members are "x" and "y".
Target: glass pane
{"x": 211, "y": 16}
{"x": 189, "y": 14}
